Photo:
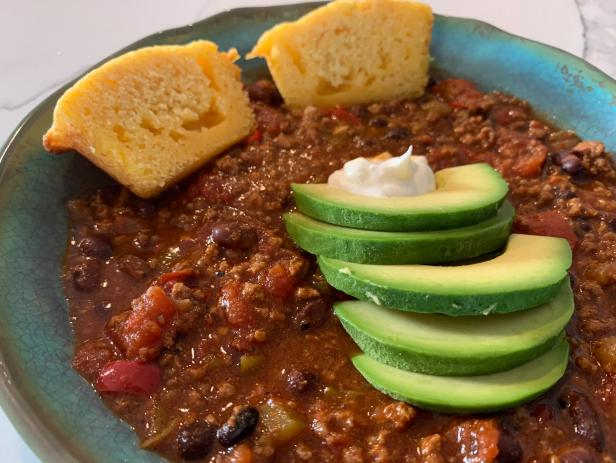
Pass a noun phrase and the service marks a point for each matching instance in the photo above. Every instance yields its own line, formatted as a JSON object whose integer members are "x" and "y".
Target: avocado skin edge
{"x": 440, "y": 365}
{"x": 453, "y": 305}
{"x": 423, "y": 250}
{"x": 440, "y": 404}
{"x": 380, "y": 221}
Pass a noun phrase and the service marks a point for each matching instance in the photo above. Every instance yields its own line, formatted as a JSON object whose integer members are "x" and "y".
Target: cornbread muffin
{"x": 350, "y": 51}
{"x": 152, "y": 116}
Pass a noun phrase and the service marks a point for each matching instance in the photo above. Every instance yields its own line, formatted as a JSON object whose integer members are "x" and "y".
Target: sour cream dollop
{"x": 404, "y": 175}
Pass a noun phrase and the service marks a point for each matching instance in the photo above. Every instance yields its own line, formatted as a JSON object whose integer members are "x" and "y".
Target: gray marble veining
{"x": 599, "y": 18}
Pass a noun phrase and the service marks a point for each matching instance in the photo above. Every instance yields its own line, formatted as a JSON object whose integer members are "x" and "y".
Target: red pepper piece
{"x": 129, "y": 376}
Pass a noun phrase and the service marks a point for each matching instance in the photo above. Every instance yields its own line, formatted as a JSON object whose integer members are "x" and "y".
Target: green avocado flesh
{"x": 528, "y": 273}
{"x": 464, "y": 195}
{"x": 437, "y": 344}
{"x": 379, "y": 247}
{"x": 468, "y": 394}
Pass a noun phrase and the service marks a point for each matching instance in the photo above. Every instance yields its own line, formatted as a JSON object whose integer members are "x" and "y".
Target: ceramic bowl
{"x": 56, "y": 412}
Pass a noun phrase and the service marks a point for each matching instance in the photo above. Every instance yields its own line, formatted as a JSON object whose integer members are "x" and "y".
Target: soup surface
{"x": 205, "y": 328}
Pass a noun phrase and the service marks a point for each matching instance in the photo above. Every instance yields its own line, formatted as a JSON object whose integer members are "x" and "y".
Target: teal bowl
{"x": 56, "y": 412}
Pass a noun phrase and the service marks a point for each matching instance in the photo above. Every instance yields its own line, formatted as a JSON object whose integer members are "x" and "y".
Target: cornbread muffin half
{"x": 152, "y": 116}
{"x": 350, "y": 51}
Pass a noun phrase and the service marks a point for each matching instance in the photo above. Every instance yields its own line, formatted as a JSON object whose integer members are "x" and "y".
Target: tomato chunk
{"x": 531, "y": 166}
{"x": 474, "y": 441}
{"x": 129, "y": 376}
{"x": 143, "y": 331}
{"x": 254, "y": 138}
{"x": 238, "y": 310}
{"x": 344, "y": 115}
{"x": 278, "y": 282}
{"x": 550, "y": 223}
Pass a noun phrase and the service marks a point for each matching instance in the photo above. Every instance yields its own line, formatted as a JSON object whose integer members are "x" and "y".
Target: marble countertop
{"x": 44, "y": 44}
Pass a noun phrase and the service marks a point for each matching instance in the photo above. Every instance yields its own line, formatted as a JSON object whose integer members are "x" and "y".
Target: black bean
{"x": 581, "y": 178}
{"x": 195, "y": 441}
{"x": 239, "y": 426}
{"x": 312, "y": 313}
{"x": 509, "y": 448}
{"x": 576, "y": 455}
{"x": 300, "y": 381}
{"x": 95, "y": 246}
{"x": 583, "y": 224}
{"x": 398, "y": 133}
{"x": 378, "y": 122}
{"x": 585, "y": 419}
{"x": 571, "y": 164}
{"x": 86, "y": 274}
{"x": 234, "y": 236}
{"x": 266, "y": 92}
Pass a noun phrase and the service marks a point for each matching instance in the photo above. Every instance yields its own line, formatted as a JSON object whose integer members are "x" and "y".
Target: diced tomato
{"x": 129, "y": 376}
{"x": 175, "y": 276}
{"x": 344, "y": 115}
{"x": 238, "y": 310}
{"x": 142, "y": 332}
{"x": 549, "y": 223}
{"x": 458, "y": 93}
{"x": 254, "y": 138}
{"x": 532, "y": 165}
{"x": 474, "y": 441}
{"x": 278, "y": 282}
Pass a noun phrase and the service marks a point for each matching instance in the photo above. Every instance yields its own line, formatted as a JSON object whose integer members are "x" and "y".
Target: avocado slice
{"x": 527, "y": 274}
{"x": 437, "y": 344}
{"x": 468, "y": 394}
{"x": 464, "y": 195}
{"x": 379, "y": 247}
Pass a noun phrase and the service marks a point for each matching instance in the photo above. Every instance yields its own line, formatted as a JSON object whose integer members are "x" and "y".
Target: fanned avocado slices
{"x": 528, "y": 273}
{"x": 464, "y": 195}
{"x": 438, "y": 344}
{"x": 467, "y": 394}
{"x": 379, "y": 247}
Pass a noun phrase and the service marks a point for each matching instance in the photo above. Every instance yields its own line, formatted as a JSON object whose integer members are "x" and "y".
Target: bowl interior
{"x": 54, "y": 409}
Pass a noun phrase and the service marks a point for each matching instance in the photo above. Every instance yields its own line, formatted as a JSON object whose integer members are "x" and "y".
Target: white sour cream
{"x": 404, "y": 175}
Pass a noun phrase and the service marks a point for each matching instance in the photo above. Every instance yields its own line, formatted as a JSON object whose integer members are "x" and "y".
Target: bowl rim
{"x": 45, "y": 443}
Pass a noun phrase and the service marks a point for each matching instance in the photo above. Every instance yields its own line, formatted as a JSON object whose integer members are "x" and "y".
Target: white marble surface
{"x": 46, "y": 43}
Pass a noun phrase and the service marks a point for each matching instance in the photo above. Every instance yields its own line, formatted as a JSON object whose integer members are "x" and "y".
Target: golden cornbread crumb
{"x": 152, "y": 116}
{"x": 350, "y": 51}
